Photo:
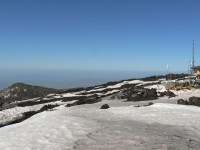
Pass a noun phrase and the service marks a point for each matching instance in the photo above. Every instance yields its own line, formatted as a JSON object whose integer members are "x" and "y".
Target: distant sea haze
{"x": 62, "y": 79}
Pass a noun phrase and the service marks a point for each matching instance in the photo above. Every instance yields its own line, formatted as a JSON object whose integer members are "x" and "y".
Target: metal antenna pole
{"x": 167, "y": 69}
{"x": 189, "y": 71}
{"x": 193, "y": 57}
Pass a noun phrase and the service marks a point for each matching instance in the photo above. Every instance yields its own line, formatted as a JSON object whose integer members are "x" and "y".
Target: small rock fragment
{"x": 105, "y": 106}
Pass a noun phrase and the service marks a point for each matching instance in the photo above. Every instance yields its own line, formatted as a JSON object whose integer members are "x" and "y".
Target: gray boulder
{"x": 194, "y": 101}
{"x": 105, "y": 106}
{"x": 167, "y": 93}
{"x": 183, "y": 102}
{"x": 146, "y": 94}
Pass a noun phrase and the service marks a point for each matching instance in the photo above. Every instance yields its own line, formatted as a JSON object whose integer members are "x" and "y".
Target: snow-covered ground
{"x": 163, "y": 125}
{"x": 159, "y": 126}
{"x": 11, "y": 114}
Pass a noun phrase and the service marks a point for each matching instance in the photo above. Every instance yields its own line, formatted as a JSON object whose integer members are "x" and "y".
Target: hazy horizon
{"x": 69, "y": 78}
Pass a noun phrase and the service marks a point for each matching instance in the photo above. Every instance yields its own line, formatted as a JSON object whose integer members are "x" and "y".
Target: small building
{"x": 196, "y": 71}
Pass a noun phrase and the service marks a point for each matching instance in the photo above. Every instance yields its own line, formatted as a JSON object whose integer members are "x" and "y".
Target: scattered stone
{"x": 135, "y": 97}
{"x": 150, "y": 93}
{"x": 84, "y": 101}
{"x": 168, "y": 93}
{"x": 181, "y": 101}
{"x": 194, "y": 101}
{"x": 150, "y": 103}
{"x": 146, "y": 94}
{"x": 105, "y": 106}
{"x": 168, "y": 76}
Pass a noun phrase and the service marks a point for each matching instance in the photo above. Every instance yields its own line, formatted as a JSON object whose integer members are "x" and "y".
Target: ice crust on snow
{"x": 8, "y": 115}
{"x": 87, "y": 127}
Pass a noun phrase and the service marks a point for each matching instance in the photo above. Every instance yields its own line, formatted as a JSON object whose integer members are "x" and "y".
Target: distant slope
{"x": 21, "y": 91}
{"x": 168, "y": 76}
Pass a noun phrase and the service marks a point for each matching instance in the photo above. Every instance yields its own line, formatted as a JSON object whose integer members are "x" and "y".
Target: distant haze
{"x": 67, "y": 78}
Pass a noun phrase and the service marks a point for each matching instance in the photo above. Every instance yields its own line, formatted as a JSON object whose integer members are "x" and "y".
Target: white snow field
{"x": 164, "y": 125}
{"x": 123, "y": 126}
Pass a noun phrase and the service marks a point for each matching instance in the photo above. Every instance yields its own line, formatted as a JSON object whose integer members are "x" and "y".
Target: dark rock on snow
{"x": 29, "y": 114}
{"x": 146, "y": 94}
{"x": 181, "y": 101}
{"x": 167, "y": 93}
{"x": 192, "y": 101}
{"x": 105, "y": 106}
{"x": 149, "y": 104}
{"x": 168, "y": 76}
{"x": 84, "y": 101}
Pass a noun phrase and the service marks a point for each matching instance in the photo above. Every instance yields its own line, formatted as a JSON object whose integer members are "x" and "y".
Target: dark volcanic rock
{"x": 168, "y": 76}
{"x": 42, "y": 101}
{"x": 150, "y": 93}
{"x": 167, "y": 93}
{"x": 146, "y": 94}
{"x": 128, "y": 92}
{"x": 152, "y": 78}
{"x": 183, "y": 102}
{"x": 194, "y": 101}
{"x": 71, "y": 90}
{"x": 150, "y": 103}
{"x": 135, "y": 97}
{"x": 84, "y": 101}
{"x": 105, "y": 106}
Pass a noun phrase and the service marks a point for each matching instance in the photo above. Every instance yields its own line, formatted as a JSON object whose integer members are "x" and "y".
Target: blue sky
{"x": 99, "y": 34}
{"x": 128, "y": 36}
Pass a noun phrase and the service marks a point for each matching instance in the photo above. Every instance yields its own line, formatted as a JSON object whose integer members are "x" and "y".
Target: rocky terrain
{"x": 115, "y": 115}
{"x": 132, "y": 90}
{"x": 21, "y": 91}
{"x": 22, "y": 95}
{"x": 191, "y": 101}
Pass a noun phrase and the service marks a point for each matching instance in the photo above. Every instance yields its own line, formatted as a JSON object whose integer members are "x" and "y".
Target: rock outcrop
{"x": 105, "y": 106}
{"x": 20, "y": 91}
{"x": 146, "y": 94}
{"x": 85, "y": 101}
{"x": 167, "y": 93}
{"x": 192, "y": 101}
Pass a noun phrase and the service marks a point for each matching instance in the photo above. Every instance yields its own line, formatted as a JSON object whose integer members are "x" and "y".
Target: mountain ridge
{"x": 21, "y": 91}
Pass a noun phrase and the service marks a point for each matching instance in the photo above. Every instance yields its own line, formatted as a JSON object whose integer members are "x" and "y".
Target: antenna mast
{"x": 193, "y": 55}
{"x": 192, "y": 62}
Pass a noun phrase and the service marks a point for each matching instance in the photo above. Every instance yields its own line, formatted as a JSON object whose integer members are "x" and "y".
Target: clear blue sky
{"x": 99, "y": 34}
